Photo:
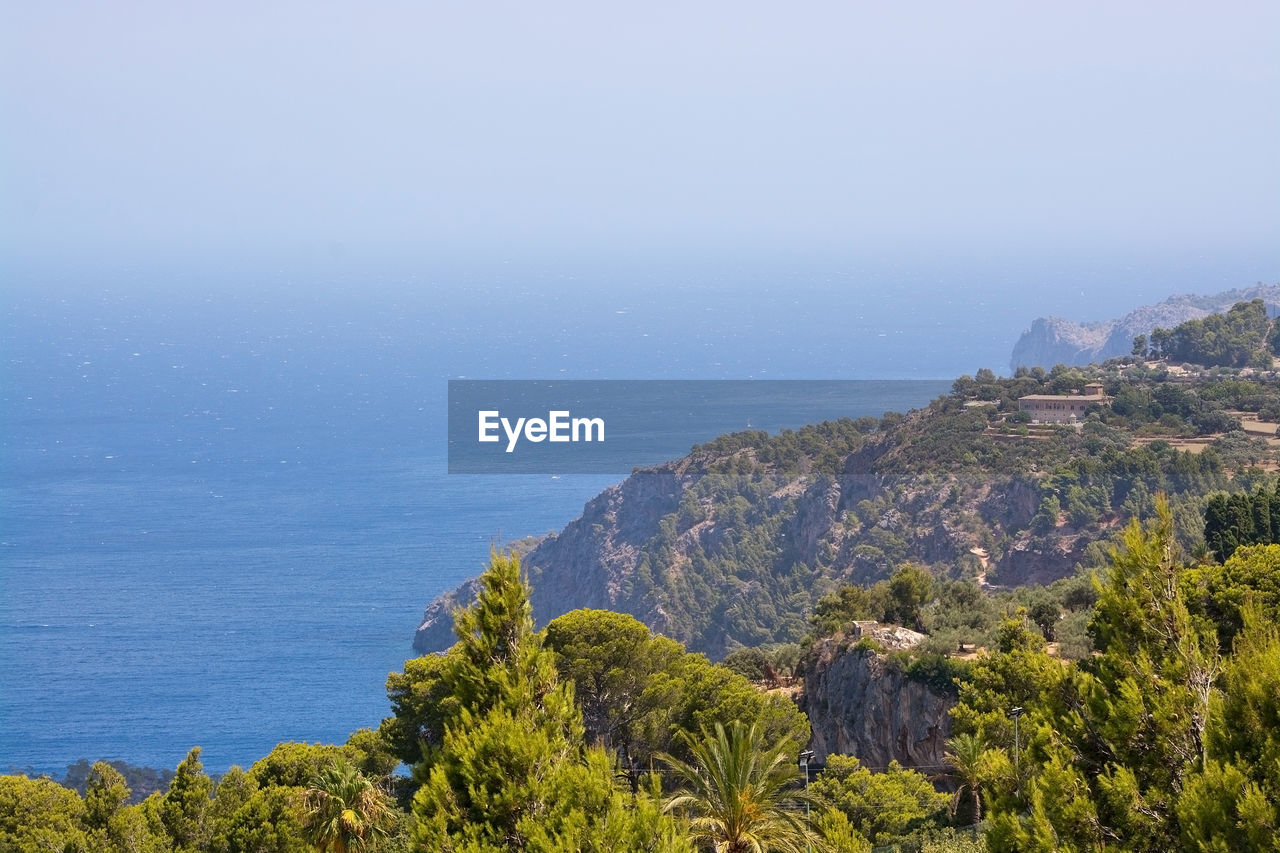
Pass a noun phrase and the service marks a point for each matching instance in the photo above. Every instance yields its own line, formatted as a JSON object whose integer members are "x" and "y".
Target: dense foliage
{"x": 642, "y": 695}
{"x": 1157, "y": 742}
{"x": 1237, "y": 338}
{"x": 1241, "y": 519}
{"x": 881, "y": 808}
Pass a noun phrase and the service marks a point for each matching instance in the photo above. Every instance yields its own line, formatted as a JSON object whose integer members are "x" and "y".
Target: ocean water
{"x": 220, "y": 528}
{"x": 246, "y": 592}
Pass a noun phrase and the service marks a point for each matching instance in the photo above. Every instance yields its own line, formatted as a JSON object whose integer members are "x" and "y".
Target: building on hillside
{"x": 1062, "y": 408}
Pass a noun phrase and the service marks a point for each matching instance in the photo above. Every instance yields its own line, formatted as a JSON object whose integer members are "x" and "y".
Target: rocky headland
{"x": 1054, "y": 340}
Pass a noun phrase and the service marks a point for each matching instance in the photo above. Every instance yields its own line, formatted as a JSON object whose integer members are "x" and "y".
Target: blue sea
{"x": 222, "y": 517}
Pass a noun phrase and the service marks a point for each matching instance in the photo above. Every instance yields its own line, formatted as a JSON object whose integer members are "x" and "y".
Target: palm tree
{"x": 966, "y": 756}
{"x": 345, "y": 811}
{"x": 740, "y": 797}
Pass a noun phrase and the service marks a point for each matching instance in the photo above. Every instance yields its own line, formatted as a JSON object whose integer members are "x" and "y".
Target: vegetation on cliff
{"x": 1053, "y": 340}
{"x": 1240, "y": 337}
{"x": 1159, "y": 741}
{"x": 733, "y": 545}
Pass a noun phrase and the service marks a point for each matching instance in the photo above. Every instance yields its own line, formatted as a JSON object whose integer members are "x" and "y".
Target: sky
{"x": 1126, "y": 148}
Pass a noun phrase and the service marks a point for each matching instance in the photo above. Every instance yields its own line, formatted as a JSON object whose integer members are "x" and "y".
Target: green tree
{"x": 1229, "y": 339}
{"x": 112, "y": 824}
{"x": 639, "y": 692}
{"x": 910, "y": 588}
{"x": 1233, "y": 803}
{"x": 885, "y": 807}
{"x": 269, "y": 822}
{"x": 1219, "y": 534}
{"x": 1046, "y": 517}
{"x": 345, "y": 811}
{"x": 838, "y": 834}
{"x": 752, "y": 663}
{"x": 1019, "y": 673}
{"x": 371, "y": 753}
{"x": 417, "y": 701}
{"x": 612, "y": 660}
{"x": 294, "y": 765}
{"x": 970, "y": 760}
{"x": 185, "y": 806}
{"x": 105, "y": 795}
{"x": 512, "y": 770}
{"x": 741, "y": 794}
{"x": 1045, "y": 613}
{"x": 248, "y": 818}
{"x": 1160, "y": 342}
{"x": 1109, "y": 749}
{"x": 39, "y": 814}
{"x": 1250, "y": 577}
{"x": 699, "y": 694}
{"x": 846, "y": 604}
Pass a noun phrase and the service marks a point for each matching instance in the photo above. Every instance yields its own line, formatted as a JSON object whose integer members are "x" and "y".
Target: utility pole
{"x": 805, "y": 757}
{"x": 1015, "y": 712}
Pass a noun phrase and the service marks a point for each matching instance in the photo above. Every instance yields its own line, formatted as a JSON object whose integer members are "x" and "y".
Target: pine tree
{"x": 1113, "y": 750}
{"x": 1233, "y": 803}
{"x": 512, "y": 770}
{"x": 106, "y": 793}
{"x": 185, "y": 806}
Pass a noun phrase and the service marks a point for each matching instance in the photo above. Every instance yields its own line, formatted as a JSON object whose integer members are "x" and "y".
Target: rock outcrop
{"x": 588, "y": 564}
{"x": 862, "y": 703}
{"x": 1053, "y": 340}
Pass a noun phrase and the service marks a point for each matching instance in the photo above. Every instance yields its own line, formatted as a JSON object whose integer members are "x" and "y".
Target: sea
{"x": 221, "y": 515}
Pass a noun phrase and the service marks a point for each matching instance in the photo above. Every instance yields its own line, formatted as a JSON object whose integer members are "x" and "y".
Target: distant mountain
{"x": 1053, "y": 340}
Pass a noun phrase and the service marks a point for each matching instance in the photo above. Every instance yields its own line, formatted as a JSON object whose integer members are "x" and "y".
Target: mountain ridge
{"x": 1055, "y": 340}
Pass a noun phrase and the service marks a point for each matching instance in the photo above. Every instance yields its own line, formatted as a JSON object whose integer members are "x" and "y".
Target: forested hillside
{"x": 733, "y": 545}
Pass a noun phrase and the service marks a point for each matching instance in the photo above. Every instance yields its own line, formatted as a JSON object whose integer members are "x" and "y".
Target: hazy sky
{"x": 409, "y": 134}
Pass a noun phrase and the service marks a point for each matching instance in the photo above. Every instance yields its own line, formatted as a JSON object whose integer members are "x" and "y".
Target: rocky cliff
{"x": 732, "y": 545}
{"x": 1053, "y": 340}
{"x": 591, "y": 563}
{"x": 860, "y": 702}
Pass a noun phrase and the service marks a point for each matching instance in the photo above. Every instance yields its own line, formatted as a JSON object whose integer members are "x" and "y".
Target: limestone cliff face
{"x": 644, "y": 548}
{"x": 860, "y": 703}
{"x": 588, "y": 564}
{"x": 733, "y": 545}
{"x": 1053, "y": 340}
{"x": 591, "y": 562}
{"x": 1040, "y": 561}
